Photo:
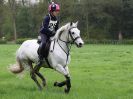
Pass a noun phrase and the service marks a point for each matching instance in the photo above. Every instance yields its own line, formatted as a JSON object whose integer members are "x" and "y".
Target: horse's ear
{"x": 71, "y": 23}
{"x": 76, "y": 24}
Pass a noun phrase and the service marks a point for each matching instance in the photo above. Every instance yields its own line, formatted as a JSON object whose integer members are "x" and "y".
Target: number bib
{"x": 52, "y": 24}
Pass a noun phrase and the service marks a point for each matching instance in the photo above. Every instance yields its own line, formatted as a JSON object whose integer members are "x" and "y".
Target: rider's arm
{"x": 45, "y": 29}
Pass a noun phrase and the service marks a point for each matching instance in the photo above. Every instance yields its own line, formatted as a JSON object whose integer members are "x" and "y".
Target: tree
{"x": 98, "y": 19}
{"x": 1, "y": 16}
{"x": 23, "y": 2}
{"x": 127, "y": 18}
{"x": 12, "y": 5}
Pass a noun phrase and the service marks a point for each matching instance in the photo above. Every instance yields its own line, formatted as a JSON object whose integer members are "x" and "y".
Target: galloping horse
{"x": 58, "y": 57}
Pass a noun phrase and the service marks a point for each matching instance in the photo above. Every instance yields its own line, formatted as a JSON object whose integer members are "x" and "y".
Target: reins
{"x": 67, "y": 42}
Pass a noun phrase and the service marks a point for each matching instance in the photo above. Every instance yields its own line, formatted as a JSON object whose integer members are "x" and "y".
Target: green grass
{"x": 97, "y": 72}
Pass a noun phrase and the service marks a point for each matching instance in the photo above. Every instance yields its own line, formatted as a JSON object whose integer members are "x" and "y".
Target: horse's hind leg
{"x": 33, "y": 76}
{"x": 36, "y": 70}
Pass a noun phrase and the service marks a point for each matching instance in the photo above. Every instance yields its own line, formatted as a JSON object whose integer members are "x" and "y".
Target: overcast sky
{"x": 33, "y": 1}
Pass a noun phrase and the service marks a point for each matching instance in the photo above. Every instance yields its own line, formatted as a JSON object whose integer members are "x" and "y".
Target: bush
{"x": 109, "y": 42}
{"x": 3, "y": 41}
{"x": 21, "y": 40}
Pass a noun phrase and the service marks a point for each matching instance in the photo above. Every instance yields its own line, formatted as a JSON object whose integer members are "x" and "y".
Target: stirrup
{"x": 40, "y": 62}
{"x": 39, "y": 39}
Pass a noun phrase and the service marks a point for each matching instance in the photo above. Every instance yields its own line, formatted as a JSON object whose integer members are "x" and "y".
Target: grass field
{"x": 97, "y": 72}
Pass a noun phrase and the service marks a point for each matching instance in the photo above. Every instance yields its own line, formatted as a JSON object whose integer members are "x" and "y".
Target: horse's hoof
{"x": 40, "y": 88}
{"x": 56, "y": 84}
{"x": 44, "y": 84}
{"x": 67, "y": 90}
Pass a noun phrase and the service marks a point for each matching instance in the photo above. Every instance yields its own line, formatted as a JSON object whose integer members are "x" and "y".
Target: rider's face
{"x": 55, "y": 13}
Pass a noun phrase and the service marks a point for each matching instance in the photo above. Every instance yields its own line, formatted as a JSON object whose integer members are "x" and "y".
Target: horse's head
{"x": 70, "y": 33}
{"x": 74, "y": 34}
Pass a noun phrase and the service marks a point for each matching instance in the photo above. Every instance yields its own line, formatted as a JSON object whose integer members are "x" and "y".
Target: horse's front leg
{"x": 67, "y": 82}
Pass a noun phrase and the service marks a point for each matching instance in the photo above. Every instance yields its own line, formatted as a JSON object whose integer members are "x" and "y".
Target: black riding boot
{"x": 40, "y": 56}
{"x": 42, "y": 48}
{"x": 40, "y": 62}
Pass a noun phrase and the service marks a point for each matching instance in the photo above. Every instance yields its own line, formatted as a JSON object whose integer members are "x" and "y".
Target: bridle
{"x": 69, "y": 33}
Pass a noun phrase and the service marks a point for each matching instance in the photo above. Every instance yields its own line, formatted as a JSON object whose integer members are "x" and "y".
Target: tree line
{"x": 98, "y": 19}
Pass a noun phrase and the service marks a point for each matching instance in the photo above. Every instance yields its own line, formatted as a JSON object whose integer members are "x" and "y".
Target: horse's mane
{"x": 64, "y": 27}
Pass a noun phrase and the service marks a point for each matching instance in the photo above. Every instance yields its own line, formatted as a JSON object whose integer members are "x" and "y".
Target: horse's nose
{"x": 80, "y": 44}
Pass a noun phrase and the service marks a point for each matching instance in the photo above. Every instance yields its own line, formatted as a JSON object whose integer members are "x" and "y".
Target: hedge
{"x": 21, "y": 40}
{"x": 3, "y": 41}
{"x": 130, "y": 42}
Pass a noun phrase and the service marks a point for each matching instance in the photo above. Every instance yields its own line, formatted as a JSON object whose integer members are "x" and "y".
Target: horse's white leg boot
{"x": 67, "y": 70}
{"x": 62, "y": 70}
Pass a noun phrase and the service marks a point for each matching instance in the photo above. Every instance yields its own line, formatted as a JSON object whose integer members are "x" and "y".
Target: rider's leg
{"x": 41, "y": 48}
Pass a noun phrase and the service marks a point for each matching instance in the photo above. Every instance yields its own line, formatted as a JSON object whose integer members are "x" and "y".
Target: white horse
{"x": 58, "y": 56}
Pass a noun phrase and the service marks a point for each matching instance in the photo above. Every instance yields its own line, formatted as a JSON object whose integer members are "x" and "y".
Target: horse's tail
{"x": 17, "y": 68}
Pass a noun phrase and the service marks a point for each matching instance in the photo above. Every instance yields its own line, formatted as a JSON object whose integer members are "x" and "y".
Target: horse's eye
{"x": 72, "y": 32}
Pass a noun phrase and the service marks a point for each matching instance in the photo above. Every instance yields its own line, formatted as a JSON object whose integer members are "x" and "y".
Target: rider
{"x": 48, "y": 29}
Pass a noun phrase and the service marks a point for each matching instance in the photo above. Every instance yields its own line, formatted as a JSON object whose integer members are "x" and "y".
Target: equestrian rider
{"x": 48, "y": 29}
